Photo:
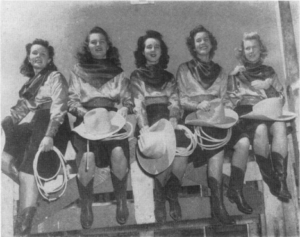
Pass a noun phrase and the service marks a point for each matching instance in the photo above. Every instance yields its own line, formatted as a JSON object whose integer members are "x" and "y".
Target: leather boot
{"x": 24, "y": 221}
{"x": 172, "y": 188}
{"x": 235, "y": 190}
{"x": 267, "y": 173}
{"x": 217, "y": 205}
{"x": 159, "y": 202}
{"x": 120, "y": 188}
{"x": 280, "y": 171}
{"x": 8, "y": 167}
{"x": 86, "y": 196}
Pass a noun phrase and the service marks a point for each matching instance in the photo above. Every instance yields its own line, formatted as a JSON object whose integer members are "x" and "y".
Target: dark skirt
{"x": 101, "y": 149}
{"x": 23, "y": 141}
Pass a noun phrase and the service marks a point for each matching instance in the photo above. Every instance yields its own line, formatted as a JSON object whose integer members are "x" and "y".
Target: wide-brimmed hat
{"x": 156, "y": 148}
{"x": 99, "y": 124}
{"x": 217, "y": 116}
{"x": 270, "y": 109}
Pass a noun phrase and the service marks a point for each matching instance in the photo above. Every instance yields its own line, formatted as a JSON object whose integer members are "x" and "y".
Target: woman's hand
{"x": 46, "y": 144}
{"x": 144, "y": 129}
{"x": 204, "y": 106}
{"x": 81, "y": 111}
{"x": 259, "y": 85}
{"x": 237, "y": 69}
{"x": 174, "y": 122}
{"x": 123, "y": 111}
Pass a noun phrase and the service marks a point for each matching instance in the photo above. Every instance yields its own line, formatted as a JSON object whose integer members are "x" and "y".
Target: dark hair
{"x": 140, "y": 59}
{"x": 112, "y": 54}
{"x": 26, "y": 68}
{"x": 240, "y": 54}
{"x": 190, "y": 41}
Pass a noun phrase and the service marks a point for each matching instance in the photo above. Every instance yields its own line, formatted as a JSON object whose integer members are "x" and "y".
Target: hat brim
{"x": 117, "y": 123}
{"x": 230, "y": 119}
{"x": 286, "y": 116}
{"x": 156, "y": 166}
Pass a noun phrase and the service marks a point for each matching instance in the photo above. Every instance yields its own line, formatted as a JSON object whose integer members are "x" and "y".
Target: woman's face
{"x": 98, "y": 45}
{"x": 202, "y": 44}
{"x": 38, "y": 57}
{"x": 152, "y": 51}
{"x": 252, "y": 50}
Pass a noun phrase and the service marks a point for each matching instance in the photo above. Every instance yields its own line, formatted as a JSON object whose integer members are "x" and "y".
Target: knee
{"x": 278, "y": 129}
{"x": 117, "y": 155}
{"x": 242, "y": 144}
{"x": 261, "y": 132}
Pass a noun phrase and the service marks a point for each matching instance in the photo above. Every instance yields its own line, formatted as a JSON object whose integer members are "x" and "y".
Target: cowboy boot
{"x": 24, "y": 221}
{"x": 120, "y": 188}
{"x": 280, "y": 171}
{"x": 267, "y": 173}
{"x": 172, "y": 187}
{"x": 86, "y": 196}
{"x": 235, "y": 190}
{"x": 8, "y": 167}
{"x": 159, "y": 202}
{"x": 217, "y": 205}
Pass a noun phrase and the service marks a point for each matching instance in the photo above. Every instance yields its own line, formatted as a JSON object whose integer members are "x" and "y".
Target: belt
{"x": 99, "y": 102}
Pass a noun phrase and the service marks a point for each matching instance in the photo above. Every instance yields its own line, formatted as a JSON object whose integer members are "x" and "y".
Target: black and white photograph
{"x": 150, "y": 118}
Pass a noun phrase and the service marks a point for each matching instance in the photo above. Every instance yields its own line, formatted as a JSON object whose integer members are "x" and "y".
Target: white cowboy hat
{"x": 156, "y": 148}
{"x": 217, "y": 116}
{"x": 99, "y": 124}
{"x": 270, "y": 109}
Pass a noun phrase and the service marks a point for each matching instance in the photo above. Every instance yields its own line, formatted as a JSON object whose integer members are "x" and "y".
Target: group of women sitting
{"x": 151, "y": 93}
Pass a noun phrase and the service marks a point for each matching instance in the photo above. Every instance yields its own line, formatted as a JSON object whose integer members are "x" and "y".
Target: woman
{"x": 155, "y": 97}
{"x": 251, "y": 82}
{"x": 97, "y": 81}
{"x": 201, "y": 81}
{"x": 36, "y": 122}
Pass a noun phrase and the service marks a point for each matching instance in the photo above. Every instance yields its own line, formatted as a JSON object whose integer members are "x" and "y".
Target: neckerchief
{"x": 30, "y": 89}
{"x": 97, "y": 73}
{"x": 257, "y": 71}
{"x": 153, "y": 75}
{"x": 205, "y": 72}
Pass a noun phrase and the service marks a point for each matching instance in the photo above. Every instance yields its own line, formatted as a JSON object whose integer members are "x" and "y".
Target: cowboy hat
{"x": 271, "y": 110}
{"x": 99, "y": 124}
{"x": 217, "y": 116}
{"x": 156, "y": 148}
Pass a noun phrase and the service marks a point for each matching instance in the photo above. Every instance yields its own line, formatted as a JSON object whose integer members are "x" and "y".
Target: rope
{"x": 42, "y": 181}
{"x": 180, "y": 151}
{"x": 201, "y": 136}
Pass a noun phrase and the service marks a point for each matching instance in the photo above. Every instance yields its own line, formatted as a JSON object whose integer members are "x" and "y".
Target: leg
{"x": 215, "y": 171}
{"x": 28, "y": 193}
{"x": 279, "y": 156}
{"x": 119, "y": 175}
{"x": 173, "y": 186}
{"x": 160, "y": 181}
{"x": 238, "y": 168}
{"x": 261, "y": 150}
{"x": 8, "y": 167}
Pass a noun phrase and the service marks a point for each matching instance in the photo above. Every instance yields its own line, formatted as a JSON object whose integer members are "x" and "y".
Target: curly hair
{"x": 84, "y": 55}
{"x": 190, "y": 41}
{"x": 26, "y": 68}
{"x": 240, "y": 53}
{"x": 140, "y": 59}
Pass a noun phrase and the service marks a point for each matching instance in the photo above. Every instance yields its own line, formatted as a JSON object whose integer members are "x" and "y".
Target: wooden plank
{"x": 7, "y": 205}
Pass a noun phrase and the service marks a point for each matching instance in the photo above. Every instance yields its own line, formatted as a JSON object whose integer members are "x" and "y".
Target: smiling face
{"x": 38, "y": 57}
{"x": 252, "y": 50}
{"x": 98, "y": 45}
{"x": 152, "y": 51}
{"x": 202, "y": 44}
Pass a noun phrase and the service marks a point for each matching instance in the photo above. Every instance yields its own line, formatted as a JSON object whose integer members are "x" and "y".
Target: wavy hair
{"x": 190, "y": 41}
{"x": 84, "y": 55}
{"x": 140, "y": 59}
{"x": 240, "y": 53}
{"x": 26, "y": 68}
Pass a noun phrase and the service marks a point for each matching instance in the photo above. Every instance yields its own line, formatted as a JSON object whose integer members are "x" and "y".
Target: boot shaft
{"x": 237, "y": 176}
{"x": 173, "y": 187}
{"x": 120, "y": 186}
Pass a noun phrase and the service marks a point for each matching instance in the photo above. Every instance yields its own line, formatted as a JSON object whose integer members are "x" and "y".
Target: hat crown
{"x": 97, "y": 121}
{"x": 153, "y": 144}
{"x": 216, "y": 114}
{"x": 269, "y": 107}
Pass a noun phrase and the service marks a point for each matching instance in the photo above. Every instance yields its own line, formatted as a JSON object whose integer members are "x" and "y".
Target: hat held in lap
{"x": 99, "y": 124}
{"x": 217, "y": 116}
{"x": 270, "y": 109}
{"x": 156, "y": 148}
